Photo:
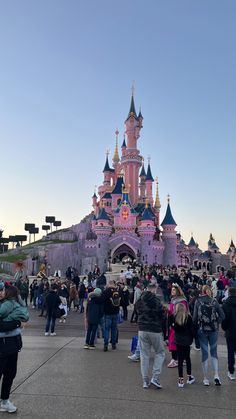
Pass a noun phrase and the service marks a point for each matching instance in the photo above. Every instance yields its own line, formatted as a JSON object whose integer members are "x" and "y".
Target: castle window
{"x": 149, "y": 243}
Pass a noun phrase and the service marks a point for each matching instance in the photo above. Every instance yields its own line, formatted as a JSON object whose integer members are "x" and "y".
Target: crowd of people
{"x": 174, "y": 309}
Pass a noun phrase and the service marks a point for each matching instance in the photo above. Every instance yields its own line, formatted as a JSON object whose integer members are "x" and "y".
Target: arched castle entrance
{"x": 122, "y": 252}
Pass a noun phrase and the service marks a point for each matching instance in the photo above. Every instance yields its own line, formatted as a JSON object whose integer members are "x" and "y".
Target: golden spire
{"x": 116, "y": 157}
{"x": 157, "y": 200}
{"x": 168, "y": 198}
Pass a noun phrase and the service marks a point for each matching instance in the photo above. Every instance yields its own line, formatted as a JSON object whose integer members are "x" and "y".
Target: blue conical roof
{"x": 149, "y": 173}
{"x": 192, "y": 242}
{"x": 118, "y": 186}
{"x": 107, "y": 196}
{"x": 94, "y": 195}
{"x": 124, "y": 143}
{"x": 147, "y": 215}
{"x": 142, "y": 173}
{"x": 168, "y": 220}
{"x": 103, "y": 215}
{"x": 107, "y": 168}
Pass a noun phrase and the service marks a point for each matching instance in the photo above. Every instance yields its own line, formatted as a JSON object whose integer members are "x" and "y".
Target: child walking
{"x": 184, "y": 331}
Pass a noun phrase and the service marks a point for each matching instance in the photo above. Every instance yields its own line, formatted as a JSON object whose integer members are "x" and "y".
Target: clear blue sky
{"x": 66, "y": 71}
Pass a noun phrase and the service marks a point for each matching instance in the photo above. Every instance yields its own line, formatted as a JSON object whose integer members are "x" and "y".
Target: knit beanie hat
{"x": 97, "y": 291}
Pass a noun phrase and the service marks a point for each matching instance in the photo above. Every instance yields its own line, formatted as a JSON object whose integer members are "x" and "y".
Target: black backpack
{"x": 207, "y": 316}
{"x": 115, "y": 298}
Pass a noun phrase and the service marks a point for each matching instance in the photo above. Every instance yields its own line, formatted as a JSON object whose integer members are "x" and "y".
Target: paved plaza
{"x": 57, "y": 378}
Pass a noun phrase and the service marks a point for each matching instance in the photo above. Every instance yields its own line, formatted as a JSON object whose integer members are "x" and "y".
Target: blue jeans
{"x": 50, "y": 321}
{"x": 110, "y": 324}
{"x": 101, "y": 325}
{"x": 91, "y": 333}
{"x": 206, "y": 338}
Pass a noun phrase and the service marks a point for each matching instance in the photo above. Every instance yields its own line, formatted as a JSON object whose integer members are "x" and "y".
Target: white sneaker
{"x": 60, "y": 321}
{"x": 7, "y": 406}
{"x": 46, "y": 334}
{"x": 206, "y": 382}
{"x": 134, "y": 358}
{"x": 231, "y": 376}
{"x": 53, "y": 334}
{"x": 145, "y": 384}
{"x": 181, "y": 383}
{"x": 191, "y": 379}
{"x": 172, "y": 364}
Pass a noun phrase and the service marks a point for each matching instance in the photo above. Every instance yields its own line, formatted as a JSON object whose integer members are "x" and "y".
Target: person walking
{"x": 207, "y": 316}
{"x": 52, "y": 304}
{"x": 111, "y": 301}
{"x": 184, "y": 331}
{"x": 10, "y": 345}
{"x": 150, "y": 316}
{"x": 177, "y": 296}
{"x": 229, "y": 326}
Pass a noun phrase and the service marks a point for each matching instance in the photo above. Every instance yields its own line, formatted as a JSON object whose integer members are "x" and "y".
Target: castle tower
{"x": 95, "y": 200}
{"x": 108, "y": 171}
{"x": 146, "y": 231}
{"x": 169, "y": 238}
{"x": 142, "y": 185}
{"x": 123, "y": 147}
{"x": 131, "y": 160}
{"x": 157, "y": 205}
{"x": 149, "y": 180}
{"x": 103, "y": 231}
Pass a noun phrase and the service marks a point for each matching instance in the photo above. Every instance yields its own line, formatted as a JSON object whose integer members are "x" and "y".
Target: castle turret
{"x": 142, "y": 185}
{"x": 123, "y": 147}
{"x": 117, "y": 192}
{"x": 169, "y": 238}
{"x": 192, "y": 242}
{"x": 103, "y": 231}
{"x": 149, "y": 180}
{"x": 95, "y": 200}
{"x": 146, "y": 231}
{"x": 108, "y": 171}
{"x": 131, "y": 160}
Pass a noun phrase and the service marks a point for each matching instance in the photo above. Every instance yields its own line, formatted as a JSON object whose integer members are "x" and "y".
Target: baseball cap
{"x": 2, "y": 285}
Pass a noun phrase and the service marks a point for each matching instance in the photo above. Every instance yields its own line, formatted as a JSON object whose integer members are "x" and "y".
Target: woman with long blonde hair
{"x": 177, "y": 296}
{"x": 183, "y": 327}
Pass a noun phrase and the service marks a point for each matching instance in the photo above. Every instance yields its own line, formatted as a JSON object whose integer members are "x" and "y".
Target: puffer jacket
{"x": 12, "y": 310}
{"x": 229, "y": 323}
{"x": 150, "y": 313}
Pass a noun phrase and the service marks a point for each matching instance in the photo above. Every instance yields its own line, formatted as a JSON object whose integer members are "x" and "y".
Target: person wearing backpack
{"x": 111, "y": 300}
{"x": 207, "y": 316}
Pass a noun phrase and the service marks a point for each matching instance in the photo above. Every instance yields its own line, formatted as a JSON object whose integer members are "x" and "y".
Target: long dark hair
{"x": 12, "y": 292}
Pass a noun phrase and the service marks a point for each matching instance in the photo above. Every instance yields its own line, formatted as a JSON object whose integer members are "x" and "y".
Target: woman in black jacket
{"x": 229, "y": 326}
{"x": 184, "y": 331}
